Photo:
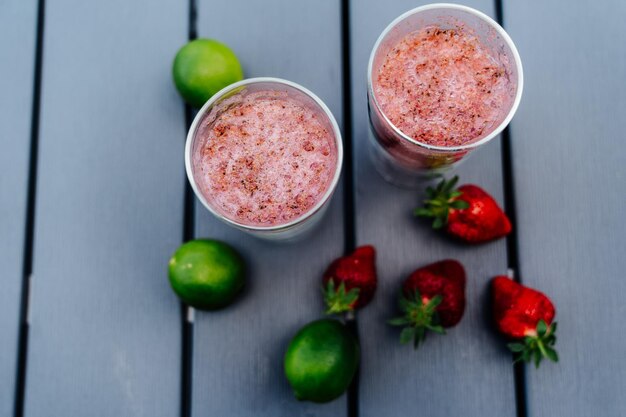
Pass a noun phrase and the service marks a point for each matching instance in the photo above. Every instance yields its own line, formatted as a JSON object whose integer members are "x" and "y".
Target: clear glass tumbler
{"x": 228, "y": 97}
{"x": 401, "y": 159}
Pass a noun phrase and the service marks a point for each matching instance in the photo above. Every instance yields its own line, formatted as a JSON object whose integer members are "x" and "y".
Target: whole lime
{"x": 202, "y": 68}
{"x": 206, "y": 274}
{"x": 321, "y": 361}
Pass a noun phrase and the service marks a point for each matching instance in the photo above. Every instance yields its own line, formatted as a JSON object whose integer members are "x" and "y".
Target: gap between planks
{"x": 187, "y": 312}
{"x": 349, "y": 214}
{"x": 29, "y": 227}
{"x": 519, "y": 369}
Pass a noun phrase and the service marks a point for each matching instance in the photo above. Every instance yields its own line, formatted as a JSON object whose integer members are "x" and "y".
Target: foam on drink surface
{"x": 266, "y": 159}
{"x": 444, "y": 87}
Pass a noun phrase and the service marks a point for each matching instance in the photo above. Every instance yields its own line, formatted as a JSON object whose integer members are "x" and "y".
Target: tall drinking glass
{"x": 264, "y": 155}
{"x": 405, "y": 160}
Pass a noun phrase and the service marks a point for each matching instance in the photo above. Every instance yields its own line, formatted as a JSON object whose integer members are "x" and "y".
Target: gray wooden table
{"x": 93, "y": 201}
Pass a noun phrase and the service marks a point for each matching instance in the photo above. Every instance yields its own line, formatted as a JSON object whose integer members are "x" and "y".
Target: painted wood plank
{"x": 466, "y": 372}
{"x": 570, "y": 177}
{"x": 237, "y": 365}
{"x": 18, "y": 27}
{"x": 105, "y": 333}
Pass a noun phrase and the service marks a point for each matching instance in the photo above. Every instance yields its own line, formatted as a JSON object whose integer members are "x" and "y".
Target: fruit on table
{"x": 206, "y": 274}
{"x": 350, "y": 281}
{"x": 525, "y": 316}
{"x": 433, "y": 298}
{"x": 468, "y": 213}
{"x": 202, "y": 68}
{"x": 321, "y": 361}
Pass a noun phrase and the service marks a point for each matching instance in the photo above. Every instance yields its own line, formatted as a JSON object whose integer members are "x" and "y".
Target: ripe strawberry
{"x": 433, "y": 298}
{"x": 524, "y": 315}
{"x": 350, "y": 281}
{"x": 468, "y": 213}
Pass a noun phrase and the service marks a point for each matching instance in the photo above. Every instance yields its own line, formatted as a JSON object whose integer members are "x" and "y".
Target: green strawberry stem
{"x": 440, "y": 201}
{"x": 536, "y": 347}
{"x": 337, "y": 299}
{"x": 419, "y": 316}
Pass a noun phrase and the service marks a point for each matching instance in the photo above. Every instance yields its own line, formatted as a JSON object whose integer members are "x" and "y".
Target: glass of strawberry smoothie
{"x": 264, "y": 155}
{"x": 443, "y": 80}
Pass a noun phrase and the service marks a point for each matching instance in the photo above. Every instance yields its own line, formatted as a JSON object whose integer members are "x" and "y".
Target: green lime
{"x": 202, "y": 68}
{"x": 206, "y": 274}
{"x": 321, "y": 361}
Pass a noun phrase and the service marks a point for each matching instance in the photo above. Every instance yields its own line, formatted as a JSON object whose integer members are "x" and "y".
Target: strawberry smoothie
{"x": 443, "y": 87}
{"x": 264, "y": 158}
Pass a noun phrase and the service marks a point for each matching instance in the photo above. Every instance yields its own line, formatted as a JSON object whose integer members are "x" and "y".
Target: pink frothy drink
{"x": 443, "y": 79}
{"x": 264, "y": 155}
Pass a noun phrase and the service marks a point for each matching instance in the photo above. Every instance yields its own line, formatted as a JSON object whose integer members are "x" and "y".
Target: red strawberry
{"x": 468, "y": 213}
{"x": 524, "y": 315}
{"x": 433, "y": 298}
{"x": 350, "y": 281}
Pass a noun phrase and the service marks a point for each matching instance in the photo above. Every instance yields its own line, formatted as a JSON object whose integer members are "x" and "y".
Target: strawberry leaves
{"x": 337, "y": 299}
{"x": 407, "y": 334}
{"x": 535, "y": 348}
{"x": 440, "y": 201}
{"x": 420, "y": 315}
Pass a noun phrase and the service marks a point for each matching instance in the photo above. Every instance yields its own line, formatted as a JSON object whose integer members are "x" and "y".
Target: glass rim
{"x": 191, "y": 135}
{"x": 505, "y": 36}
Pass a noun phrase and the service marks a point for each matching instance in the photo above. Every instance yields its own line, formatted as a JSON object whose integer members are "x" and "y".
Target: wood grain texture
{"x": 18, "y": 27}
{"x": 238, "y": 352}
{"x": 105, "y": 332}
{"x": 570, "y": 183}
{"x": 467, "y": 372}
